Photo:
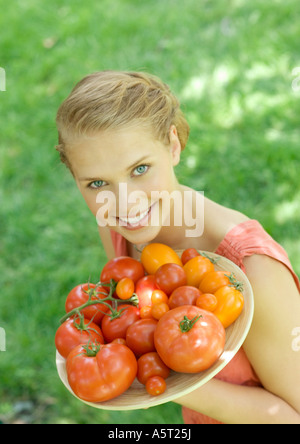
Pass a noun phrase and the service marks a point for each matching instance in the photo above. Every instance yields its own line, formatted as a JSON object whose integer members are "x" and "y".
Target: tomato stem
{"x": 93, "y": 292}
{"x": 187, "y": 324}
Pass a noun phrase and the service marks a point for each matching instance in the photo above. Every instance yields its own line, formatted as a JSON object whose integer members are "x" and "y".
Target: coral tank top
{"x": 244, "y": 240}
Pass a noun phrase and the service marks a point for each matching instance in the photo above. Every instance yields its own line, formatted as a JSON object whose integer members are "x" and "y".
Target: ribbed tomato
{"x": 189, "y": 340}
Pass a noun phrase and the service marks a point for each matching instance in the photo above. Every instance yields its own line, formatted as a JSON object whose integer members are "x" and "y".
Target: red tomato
{"x": 121, "y": 267}
{"x": 186, "y": 295}
{"x": 150, "y": 365}
{"x": 102, "y": 376}
{"x": 117, "y": 328}
{"x": 188, "y": 254}
{"x": 70, "y": 334}
{"x": 156, "y": 386}
{"x": 189, "y": 340}
{"x": 196, "y": 268}
{"x": 80, "y": 295}
{"x": 144, "y": 289}
{"x": 140, "y": 336}
{"x": 169, "y": 277}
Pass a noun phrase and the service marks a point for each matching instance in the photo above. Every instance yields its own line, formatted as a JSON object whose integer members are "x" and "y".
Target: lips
{"x": 135, "y": 222}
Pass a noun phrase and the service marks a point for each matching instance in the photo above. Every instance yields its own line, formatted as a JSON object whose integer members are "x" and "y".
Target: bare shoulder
{"x": 219, "y": 220}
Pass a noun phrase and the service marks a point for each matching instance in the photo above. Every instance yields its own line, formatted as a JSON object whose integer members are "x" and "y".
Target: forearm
{"x": 234, "y": 404}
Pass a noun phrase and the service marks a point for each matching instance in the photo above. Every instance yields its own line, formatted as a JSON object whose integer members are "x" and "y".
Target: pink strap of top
{"x": 244, "y": 240}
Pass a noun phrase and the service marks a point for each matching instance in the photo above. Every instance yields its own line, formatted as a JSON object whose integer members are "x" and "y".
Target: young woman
{"x": 121, "y": 135}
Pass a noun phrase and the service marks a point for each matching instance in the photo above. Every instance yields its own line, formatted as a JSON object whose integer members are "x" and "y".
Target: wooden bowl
{"x": 180, "y": 384}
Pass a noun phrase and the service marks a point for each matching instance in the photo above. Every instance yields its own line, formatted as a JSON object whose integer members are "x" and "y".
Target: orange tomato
{"x": 159, "y": 310}
{"x": 230, "y": 305}
{"x": 214, "y": 280}
{"x": 159, "y": 296}
{"x": 207, "y": 302}
{"x": 155, "y": 255}
{"x": 196, "y": 268}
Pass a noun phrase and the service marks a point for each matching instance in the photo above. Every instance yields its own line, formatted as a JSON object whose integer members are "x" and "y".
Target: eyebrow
{"x": 131, "y": 167}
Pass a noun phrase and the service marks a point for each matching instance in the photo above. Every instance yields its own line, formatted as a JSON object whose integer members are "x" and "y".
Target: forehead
{"x": 112, "y": 150}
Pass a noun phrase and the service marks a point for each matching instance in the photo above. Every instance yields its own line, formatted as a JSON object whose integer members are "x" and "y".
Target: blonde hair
{"x": 112, "y": 99}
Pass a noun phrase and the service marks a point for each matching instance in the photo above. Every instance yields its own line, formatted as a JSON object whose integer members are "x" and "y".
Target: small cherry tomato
{"x": 159, "y": 310}
{"x": 125, "y": 288}
{"x": 188, "y": 254}
{"x": 159, "y": 296}
{"x": 150, "y": 364}
{"x": 207, "y": 302}
{"x": 156, "y": 386}
{"x": 145, "y": 312}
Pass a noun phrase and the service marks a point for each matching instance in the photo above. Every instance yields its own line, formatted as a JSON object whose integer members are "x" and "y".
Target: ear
{"x": 175, "y": 145}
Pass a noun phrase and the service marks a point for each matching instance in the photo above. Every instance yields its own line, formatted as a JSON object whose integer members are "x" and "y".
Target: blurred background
{"x": 235, "y": 66}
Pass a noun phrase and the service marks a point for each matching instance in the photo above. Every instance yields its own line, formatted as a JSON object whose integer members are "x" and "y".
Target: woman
{"x": 121, "y": 135}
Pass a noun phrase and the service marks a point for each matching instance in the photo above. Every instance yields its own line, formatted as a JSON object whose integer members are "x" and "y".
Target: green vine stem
{"x": 134, "y": 300}
{"x": 187, "y": 324}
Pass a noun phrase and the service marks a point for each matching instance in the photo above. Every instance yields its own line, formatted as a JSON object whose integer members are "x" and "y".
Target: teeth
{"x": 134, "y": 220}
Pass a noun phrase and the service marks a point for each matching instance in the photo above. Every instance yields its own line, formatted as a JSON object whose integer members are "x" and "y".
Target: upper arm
{"x": 269, "y": 345}
{"x": 107, "y": 242}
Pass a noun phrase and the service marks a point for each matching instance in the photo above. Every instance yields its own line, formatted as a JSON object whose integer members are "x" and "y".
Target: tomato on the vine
{"x": 80, "y": 295}
{"x": 125, "y": 288}
{"x": 116, "y": 327}
{"x": 74, "y": 332}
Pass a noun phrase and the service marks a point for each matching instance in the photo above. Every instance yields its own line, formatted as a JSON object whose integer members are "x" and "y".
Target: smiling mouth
{"x": 135, "y": 222}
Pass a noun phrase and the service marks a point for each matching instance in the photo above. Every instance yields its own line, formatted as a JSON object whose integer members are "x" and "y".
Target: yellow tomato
{"x": 196, "y": 268}
{"x": 155, "y": 255}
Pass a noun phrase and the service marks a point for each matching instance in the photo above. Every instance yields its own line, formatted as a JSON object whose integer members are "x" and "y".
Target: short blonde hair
{"x": 112, "y": 99}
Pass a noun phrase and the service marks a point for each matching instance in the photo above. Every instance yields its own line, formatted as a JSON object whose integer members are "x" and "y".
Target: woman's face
{"x": 125, "y": 176}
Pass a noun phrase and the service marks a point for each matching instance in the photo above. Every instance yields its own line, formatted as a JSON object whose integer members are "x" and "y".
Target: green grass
{"x": 231, "y": 65}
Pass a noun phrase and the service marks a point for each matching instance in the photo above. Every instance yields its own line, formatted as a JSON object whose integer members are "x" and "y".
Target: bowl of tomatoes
{"x": 179, "y": 319}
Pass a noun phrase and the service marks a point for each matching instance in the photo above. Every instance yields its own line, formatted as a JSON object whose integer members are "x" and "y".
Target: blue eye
{"x": 142, "y": 169}
{"x": 97, "y": 184}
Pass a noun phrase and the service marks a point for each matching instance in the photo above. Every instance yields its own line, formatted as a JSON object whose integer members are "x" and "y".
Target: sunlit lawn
{"x": 231, "y": 65}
